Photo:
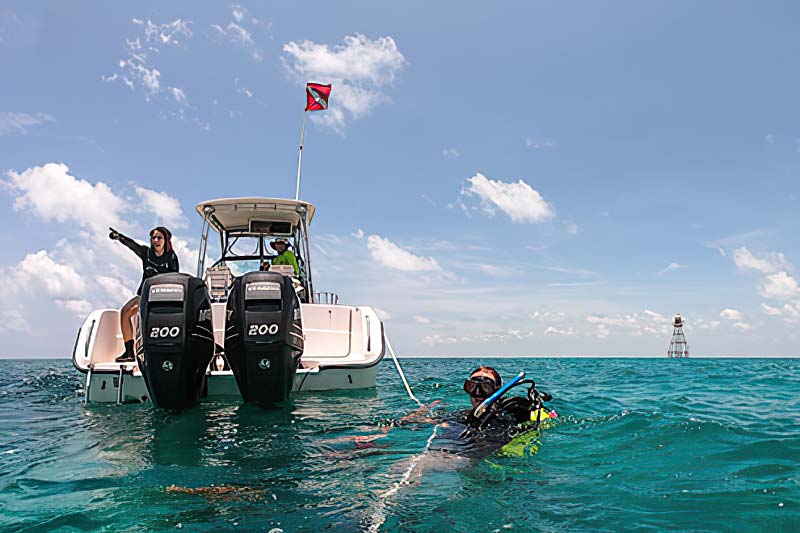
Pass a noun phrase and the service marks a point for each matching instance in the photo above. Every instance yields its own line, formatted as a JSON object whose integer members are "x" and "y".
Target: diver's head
{"x": 161, "y": 240}
{"x": 482, "y": 383}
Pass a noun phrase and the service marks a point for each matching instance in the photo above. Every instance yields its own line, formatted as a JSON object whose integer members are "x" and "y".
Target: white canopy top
{"x": 237, "y": 213}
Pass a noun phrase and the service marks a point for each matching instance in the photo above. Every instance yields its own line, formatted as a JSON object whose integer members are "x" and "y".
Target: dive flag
{"x": 317, "y": 96}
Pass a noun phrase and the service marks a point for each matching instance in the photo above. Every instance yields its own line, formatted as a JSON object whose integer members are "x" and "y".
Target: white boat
{"x": 339, "y": 346}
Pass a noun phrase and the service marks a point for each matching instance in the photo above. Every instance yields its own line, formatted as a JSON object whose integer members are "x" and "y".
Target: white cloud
{"x": 51, "y": 193}
{"x": 361, "y": 70}
{"x": 84, "y": 270}
{"x": 38, "y": 269}
{"x": 670, "y": 267}
{"x": 530, "y": 142}
{"x": 179, "y": 95}
{"x": 13, "y": 321}
{"x": 730, "y": 314}
{"x": 547, "y": 316}
{"x": 567, "y": 332}
{"x": 450, "y": 152}
{"x": 432, "y": 340}
{"x": 711, "y": 324}
{"x": 743, "y": 326}
{"x": 136, "y": 69}
{"x": 790, "y": 312}
{"x": 359, "y": 234}
{"x": 81, "y": 308}
{"x": 236, "y": 32}
{"x": 238, "y": 13}
{"x": 767, "y": 263}
{"x": 518, "y": 200}
{"x": 780, "y": 286}
{"x": 165, "y": 207}
{"x": 391, "y": 255}
{"x": 20, "y": 122}
{"x": 421, "y": 319}
{"x": 572, "y": 228}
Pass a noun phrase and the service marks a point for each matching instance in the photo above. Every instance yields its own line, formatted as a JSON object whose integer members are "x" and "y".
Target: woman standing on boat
{"x": 158, "y": 258}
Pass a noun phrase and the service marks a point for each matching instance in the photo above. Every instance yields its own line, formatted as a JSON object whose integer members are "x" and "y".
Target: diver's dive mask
{"x": 480, "y": 386}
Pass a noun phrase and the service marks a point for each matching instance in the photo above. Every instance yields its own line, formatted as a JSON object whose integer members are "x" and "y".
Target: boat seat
{"x": 218, "y": 280}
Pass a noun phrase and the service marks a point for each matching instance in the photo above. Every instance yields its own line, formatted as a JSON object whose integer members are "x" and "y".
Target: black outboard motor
{"x": 264, "y": 338}
{"x": 177, "y": 342}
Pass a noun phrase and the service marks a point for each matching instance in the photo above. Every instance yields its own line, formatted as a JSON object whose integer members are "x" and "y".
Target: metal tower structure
{"x": 678, "y": 346}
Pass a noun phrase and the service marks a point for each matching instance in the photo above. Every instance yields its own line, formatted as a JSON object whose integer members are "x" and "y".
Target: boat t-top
{"x": 241, "y": 326}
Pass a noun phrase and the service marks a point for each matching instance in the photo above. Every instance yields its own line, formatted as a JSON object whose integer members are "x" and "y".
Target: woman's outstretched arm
{"x": 137, "y": 248}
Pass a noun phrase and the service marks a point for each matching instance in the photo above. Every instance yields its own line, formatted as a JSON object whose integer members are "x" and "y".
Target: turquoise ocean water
{"x": 641, "y": 444}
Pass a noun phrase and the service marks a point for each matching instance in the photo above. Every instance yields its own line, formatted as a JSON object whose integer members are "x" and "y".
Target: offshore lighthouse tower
{"x": 678, "y": 346}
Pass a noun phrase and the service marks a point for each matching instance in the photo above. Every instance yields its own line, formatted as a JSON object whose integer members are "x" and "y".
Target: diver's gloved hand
{"x": 113, "y": 234}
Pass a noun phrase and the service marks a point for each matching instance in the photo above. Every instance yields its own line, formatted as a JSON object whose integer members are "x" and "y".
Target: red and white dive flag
{"x": 317, "y": 96}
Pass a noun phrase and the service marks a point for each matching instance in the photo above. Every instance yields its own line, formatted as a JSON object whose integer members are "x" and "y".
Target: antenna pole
{"x": 300, "y": 155}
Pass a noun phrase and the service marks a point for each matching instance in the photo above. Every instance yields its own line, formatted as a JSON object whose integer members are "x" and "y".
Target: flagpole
{"x": 300, "y": 155}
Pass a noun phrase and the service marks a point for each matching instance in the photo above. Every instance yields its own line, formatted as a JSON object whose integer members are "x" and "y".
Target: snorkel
{"x": 481, "y": 409}
{"x": 482, "y": 413}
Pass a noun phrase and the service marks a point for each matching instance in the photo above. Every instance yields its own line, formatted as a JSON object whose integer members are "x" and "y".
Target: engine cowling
{"x": 264, "y": 337}
{"x": 175, "y": 342}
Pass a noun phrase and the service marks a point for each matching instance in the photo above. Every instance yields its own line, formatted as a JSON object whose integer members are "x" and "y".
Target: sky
{"x": 503, "y": 179}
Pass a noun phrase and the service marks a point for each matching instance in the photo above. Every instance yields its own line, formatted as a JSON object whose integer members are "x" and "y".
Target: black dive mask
{"x": 480, "y": 387}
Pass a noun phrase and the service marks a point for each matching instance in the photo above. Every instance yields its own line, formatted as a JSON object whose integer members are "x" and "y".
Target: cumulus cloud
{"x": 517, "y": 200}
{"x": 20, "y": 122}
{"x": 53, "y": 194}
{"x": 730, "y": 314}
{"x": 361, "y": 71}
{"x": 84, "y": 270}
{"x": 780, "y": 286}
{"x": 790, "y": 312}
{"x": 389, "y": 254}
{"x": 766, "y": 263}
{"x": 166, "y": 208}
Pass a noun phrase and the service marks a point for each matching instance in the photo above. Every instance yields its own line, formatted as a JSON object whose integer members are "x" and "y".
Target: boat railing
{"x": 326, "y": 298}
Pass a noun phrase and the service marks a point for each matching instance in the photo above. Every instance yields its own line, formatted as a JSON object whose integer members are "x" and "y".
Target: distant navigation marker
{"x": 678, "y": 346}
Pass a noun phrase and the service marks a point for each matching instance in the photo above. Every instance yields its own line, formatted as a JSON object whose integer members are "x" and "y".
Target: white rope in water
{"x": 400, "y": 371}
{"x": 379, "y": 516}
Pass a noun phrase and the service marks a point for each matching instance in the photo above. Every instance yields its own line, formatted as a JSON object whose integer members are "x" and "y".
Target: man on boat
{"x": 285, "y": 255}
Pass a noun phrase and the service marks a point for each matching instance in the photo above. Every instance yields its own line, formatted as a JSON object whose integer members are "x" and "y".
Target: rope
{"x": 400, "y": 371}
{"x": 379, "y": 515}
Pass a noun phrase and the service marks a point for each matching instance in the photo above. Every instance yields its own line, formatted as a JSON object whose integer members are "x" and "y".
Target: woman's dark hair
{"x": 167, "y": 234}
{"x": 489, "y": 370}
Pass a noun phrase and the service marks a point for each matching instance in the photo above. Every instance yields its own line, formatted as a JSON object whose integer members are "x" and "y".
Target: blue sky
{"x": 513, "y": 179}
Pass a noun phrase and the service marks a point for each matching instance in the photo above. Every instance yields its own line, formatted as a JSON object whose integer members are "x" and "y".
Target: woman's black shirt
{"x": 152, "y": 264}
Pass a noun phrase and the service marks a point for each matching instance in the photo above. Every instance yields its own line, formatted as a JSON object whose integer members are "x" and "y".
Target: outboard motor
{"x": 177, "y": 342}
{"x": 264, "y": 338}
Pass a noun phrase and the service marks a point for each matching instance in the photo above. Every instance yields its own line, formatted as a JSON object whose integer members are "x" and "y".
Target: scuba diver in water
{"x": 492, "y": 422}
{"x": 158, "y": 258}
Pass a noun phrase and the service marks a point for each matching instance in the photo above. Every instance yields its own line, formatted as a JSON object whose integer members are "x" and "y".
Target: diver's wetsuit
{"x": 464, "y": 435}
{"x": 151, "y": 263}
